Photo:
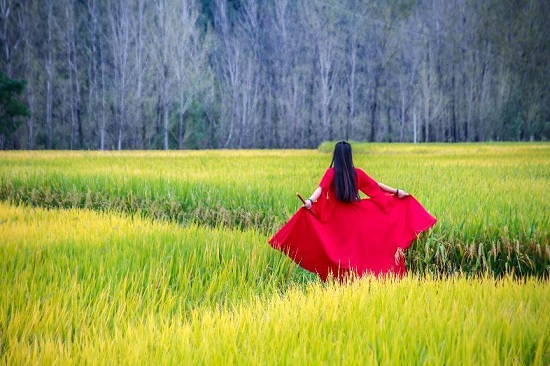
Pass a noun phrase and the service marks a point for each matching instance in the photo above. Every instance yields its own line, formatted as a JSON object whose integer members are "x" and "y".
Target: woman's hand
{"x": 309, "y": 202}
{"x": 402, "y": 194}
{"x": 397, "y": 192}
{"x": 399, "y": 254}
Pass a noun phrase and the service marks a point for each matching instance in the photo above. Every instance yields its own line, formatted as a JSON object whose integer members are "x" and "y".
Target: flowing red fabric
{"x": 338, "y": 238}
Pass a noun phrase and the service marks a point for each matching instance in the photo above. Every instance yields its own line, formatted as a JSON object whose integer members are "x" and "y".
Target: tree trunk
{"x": 103, "y": 126}
{"x": 454, "y": 135}
{"x": 138, "y": 123}
{"x": 415, "y": 139}
{"x": 5, "y": 10}
{"x": 28, "y": 62}
{"x": 374, "y": 109}
{"x": 49, "y": 76}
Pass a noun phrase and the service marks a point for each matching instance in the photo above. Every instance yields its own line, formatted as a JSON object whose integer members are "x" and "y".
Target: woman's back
{"x": 363, "y": 183}
{"x": 347, "y": 234}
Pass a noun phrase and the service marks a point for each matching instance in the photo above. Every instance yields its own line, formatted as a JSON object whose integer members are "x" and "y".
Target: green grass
{"x": 162, "y": 258}
{"x": 83, "y": 287}
{"x": 490, "y": 199}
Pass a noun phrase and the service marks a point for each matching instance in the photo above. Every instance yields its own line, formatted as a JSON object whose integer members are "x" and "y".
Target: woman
{"x": 336, "y": 233}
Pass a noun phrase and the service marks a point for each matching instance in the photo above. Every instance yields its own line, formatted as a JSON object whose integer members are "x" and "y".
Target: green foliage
{"x": 546, "y": 131}
{"x": 10, "y": 105}
{"x": 513, "y": 120}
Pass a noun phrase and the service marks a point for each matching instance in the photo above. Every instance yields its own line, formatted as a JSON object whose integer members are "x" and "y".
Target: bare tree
{"x": 103, "y": 124}
{"x": 140, "y": 126}
{"x": 25, "y": 26}
{"x": 160, "y": 44}
{"x": 239, "y": 74}
{"x": 324, "y": 40}
{"x": 351, "y": 77}
{"x": 121, "y": 35}
{"x": 229, "y": 62}
{"x": 73, "y": 68}
{"x": 250, "y": 90}
{"x": 49, "y": 72}
{"x": 6, "y": 36}
{"x": 189, "y": 58}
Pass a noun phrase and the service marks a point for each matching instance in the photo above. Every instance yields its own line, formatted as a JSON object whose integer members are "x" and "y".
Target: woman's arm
{"x": 399, "y": 192}
{"x": 313, "y": 197}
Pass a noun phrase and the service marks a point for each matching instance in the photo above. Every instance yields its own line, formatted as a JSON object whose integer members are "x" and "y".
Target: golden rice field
{"x": 162, "y": 258}
{"x": 81, "y": 287}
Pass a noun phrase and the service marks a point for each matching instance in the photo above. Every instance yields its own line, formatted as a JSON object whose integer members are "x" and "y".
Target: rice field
{"x": 162, "y": 258}
{"x": 490, "y": 199}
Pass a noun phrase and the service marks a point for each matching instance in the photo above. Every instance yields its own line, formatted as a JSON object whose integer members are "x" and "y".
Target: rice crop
{"x": 490, "y": 199}
{"x": 86, "y": 287}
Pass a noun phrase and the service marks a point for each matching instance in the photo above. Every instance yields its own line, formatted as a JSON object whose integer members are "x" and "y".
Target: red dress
{"x": 339, "y": 238}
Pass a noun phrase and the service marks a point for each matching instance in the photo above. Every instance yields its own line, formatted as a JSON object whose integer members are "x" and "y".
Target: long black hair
{"x": 345, "y": 179}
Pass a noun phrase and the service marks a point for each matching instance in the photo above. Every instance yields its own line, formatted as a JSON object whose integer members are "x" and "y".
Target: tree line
{"x": 175, "y": 74}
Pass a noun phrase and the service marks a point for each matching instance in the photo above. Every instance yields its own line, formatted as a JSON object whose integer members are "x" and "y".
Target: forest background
{"x": 196, "y": 74}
